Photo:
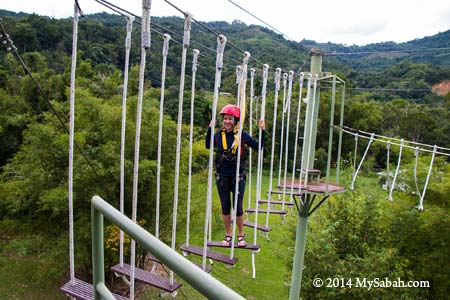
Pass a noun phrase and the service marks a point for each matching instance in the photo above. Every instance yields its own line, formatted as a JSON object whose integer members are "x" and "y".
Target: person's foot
{"x": 241, "y": 241}
{"x": 227, "y": 240}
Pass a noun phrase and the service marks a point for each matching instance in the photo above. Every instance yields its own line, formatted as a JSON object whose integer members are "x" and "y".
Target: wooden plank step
{"x": 209, "y": 254}
{"x": 156, "y": 260}
{"x": 247, "y": 247}
{"x": 148, "y": 278}
{"x": 259, "y": 227}
{"x": 265, "y": 211}
{"x": 276, "y": 202}
{"x": 287, "y": 192}
{"x": 83, "y": 290}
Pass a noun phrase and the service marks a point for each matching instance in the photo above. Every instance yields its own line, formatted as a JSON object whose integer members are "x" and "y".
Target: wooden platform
{"x": 83, "y": 290}
{"x": 259, "y": 227}
{"x": 236, "y": 246}
{"x": 209, "y": 254}
{"x": 156, "y": 260}
{"x": 276, "y": 202}
{"x": 147, "y": 278}
{"x": 265, "y": 211}
{"x": 315, "y": 188}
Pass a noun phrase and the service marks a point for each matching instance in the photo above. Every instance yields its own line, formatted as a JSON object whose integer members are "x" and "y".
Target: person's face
{"x": 228, "y": 122}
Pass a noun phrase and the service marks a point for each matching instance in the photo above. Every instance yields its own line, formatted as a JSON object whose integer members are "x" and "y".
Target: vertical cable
{"x": 221, "y": 41}
{"x": 396, "y": 171}
{"x": 297, "y": 128}
{"x": 145, "y": 45}
{"x": 274, "y": 127}
{"x": 71, "y": 141}
{"x": 186, "y": 39}
{"x": 130, "y": 20}
{"x": 191, "y": 138}
{"x": 165, "y": 52}
{"x": 260, "y": 162}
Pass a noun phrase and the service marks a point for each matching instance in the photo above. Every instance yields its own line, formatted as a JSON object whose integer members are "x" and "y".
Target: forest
{"x": 357, "y": 234}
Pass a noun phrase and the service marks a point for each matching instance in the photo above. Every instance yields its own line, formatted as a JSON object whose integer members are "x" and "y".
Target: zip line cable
{"x": 259, "y": 19}
{"x": 121, "y": 11}
{"x": 62, "y": 120}
{"x": 385, "y": 51}
{"x": 214, "y": 33}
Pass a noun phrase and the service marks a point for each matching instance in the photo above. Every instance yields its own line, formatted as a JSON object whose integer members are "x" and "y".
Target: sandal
{"x": 227, "y": 240}
{"x": 241, "y": 241}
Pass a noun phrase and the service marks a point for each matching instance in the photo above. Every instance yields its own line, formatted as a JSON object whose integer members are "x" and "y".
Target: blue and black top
{"x": 226, "y": 161}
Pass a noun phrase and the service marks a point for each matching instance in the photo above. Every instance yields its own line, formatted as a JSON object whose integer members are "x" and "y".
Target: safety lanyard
{"x": 225, "y": 145}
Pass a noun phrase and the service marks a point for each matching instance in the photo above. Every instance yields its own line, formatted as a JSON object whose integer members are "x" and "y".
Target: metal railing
{"x": 206, "y": 284}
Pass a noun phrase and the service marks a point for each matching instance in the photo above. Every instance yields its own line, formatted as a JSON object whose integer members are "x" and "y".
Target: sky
{"x": 348, "y": 22}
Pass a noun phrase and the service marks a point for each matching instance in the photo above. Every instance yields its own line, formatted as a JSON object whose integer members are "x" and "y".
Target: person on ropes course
{"x": 226, "y": 141}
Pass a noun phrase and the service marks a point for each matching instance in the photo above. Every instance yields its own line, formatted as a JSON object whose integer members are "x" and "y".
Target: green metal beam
{"x": 207, "y": 285}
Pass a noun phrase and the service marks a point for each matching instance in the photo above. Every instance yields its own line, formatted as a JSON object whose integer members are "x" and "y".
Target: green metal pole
{"x": 307, "y": 163}
{"x": 98, "y": 265}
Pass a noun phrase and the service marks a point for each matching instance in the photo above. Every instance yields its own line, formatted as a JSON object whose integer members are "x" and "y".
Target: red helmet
{"x": 232, "y": 110}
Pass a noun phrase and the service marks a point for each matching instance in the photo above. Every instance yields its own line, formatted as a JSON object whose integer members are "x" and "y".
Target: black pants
{"x": 226, "y": 187}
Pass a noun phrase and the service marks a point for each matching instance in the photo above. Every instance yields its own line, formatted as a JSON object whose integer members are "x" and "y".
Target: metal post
{"x": 98, "y": 265}
{"x": 307, "y": 163}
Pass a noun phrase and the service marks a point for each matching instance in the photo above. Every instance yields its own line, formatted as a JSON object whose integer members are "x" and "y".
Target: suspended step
{"x": 209, "y": 254}
{"x": 281, "y": 191}
{"x": 265, "y": 211}
{"x": 263, "y": 201}
{"x": 83, "y": 290}
{"x": 156, "y": 260}
{"x": 147, "y": 278}
{"x": 259, "y": 227}
{"x": 236, "y": 246}
{"x": 315, "y": 188}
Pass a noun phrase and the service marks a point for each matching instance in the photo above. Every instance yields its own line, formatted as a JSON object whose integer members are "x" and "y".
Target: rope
{"x": 285, "y": 75}
{"x": 241, "y": 102}
{"x": 165, "y": 52}
{"x": 392, "y": 138}
{"x": 145, "y": 45}
{"x": 416, "y": 159}
{"x": 277, "y": 89}
{"x": 420, "y": 207}
{"x": 71, "y": 141}
{"x": 221, "y": 41}
{"x": 396, "y": 171}
{"x": 252, "y": 95}
{"x": 352, "y": 185}
{"x": 130, "y": 20}
{"x": 286, "y": 156}
{"x": 186, "y": 38}
{"x": 260, "y": 165}
{"x": 238, "y": 82}
{"x": 355, "y": 153}
{"x": 191, "y": 134}
{"x": 397, "y": 144}
{"x": 297, "y": 128}
{"x": 388, "y": 175}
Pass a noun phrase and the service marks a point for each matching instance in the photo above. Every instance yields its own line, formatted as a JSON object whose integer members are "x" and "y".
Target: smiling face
{"x": 228, "y": 122}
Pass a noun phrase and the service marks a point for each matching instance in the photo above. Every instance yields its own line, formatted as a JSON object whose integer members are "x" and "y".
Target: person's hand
{"x": 262, "y": 124}
{"x": 212, "y": 124}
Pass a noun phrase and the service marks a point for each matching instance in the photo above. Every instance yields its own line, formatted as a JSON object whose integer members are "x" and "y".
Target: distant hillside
{"x": 101, "y": 38}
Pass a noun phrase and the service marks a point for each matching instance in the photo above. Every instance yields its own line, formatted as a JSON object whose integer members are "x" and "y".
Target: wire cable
{"x": 259, "y": 19}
